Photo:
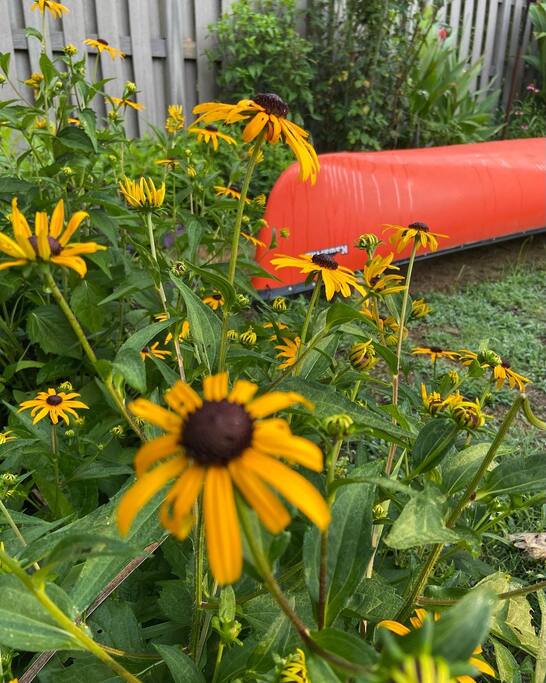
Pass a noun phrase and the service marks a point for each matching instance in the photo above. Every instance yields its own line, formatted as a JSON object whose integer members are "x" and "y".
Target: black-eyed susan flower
{"x": 53, "y": 404}
{"x": 468, "y": 414}
{"x": 153, "y": 351}
{"x": 248, "y": 337}
{"x": 34, "y": 80}
{"x": 336, "y": 278}
{"x": 434, "y": 403}
{"x": 362, "y": 356}
{"x": 265, "y": 111}
{"x": 279, "y": 303}
{"x": 277, "y": 326}
{"x": 232, "y": 192}
{"x": 289, "y": 350}
{"x": 5, "y": 436}
{"x": 417, "y": 622}
{"x": 50, "y": 241}
{"x": 260, "y": 199}
{"x": 213, "y": 300}
{"x": 294, "y": 669}
{"x": 184, "y": 329}
{"x": 253, "y": 240}
{"x": 175, "y": 118}
{"x": 103, "y": 46}
{"x": 170, "y": 163}
{"x": 54, "y": 8}
{"x": 213, "y": 444}
{"x": 501, "y": 370}
{"x": 142, "y": 194}
{"x": 125, "y": 102}
{"x": 377, "y": 281}
{"x": 424, "y": 668}
{"x": 415, "y": 231}
{"x": 211, "y": 134}
{"x": 419, "y": 308}
{"x": 435, "y": 352}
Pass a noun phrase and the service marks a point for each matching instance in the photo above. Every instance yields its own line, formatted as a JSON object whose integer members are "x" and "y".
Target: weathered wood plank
{"x": 108, "y": 30}
{"x": 515, "y": 36}
{"x": 6, "y": 45}
{"x": 479, "y": 31}
{"x": 74, "y": 26}
{"x": 142, "y": 61}
{"x": 502, "y": 41}
{"x": 489, "y": 48}
{"x": 176, "y": 86}
{"x": 33, "y": 19}
{"x": 454, "y": 18}
{"x": 205, "y": 14}
{"x": 468, "y": 16}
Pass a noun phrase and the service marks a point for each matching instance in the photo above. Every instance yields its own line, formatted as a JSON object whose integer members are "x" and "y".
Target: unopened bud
{"x": 338, "y": 426}
{"x": 279, "y": 303}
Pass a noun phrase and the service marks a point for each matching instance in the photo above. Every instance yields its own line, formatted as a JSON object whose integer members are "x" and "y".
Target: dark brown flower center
{"x": 272, "y": 103}
{"x": 505, "y": 364}
{"x": 217, "y": 433}
{"x": 54, "y": 400}
{"x": 102, "y": 42}
{"x": 422, "y": 227}
{"x": 54, "y": 245}
{"x": 235, "y": 188}
{"x": 325, "y": 261}
{"x": 217, "y": 297}
{"x": 211, "y": 128}
{"x": 436, "y": 349}
{"x": 146, "y": 349}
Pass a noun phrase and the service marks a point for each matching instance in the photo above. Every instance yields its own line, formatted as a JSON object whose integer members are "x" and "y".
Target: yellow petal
{"x": 272, "y": 513}
{"x": 215, "y": 387}
{"x": 274, "y": 437}
{"x": 74, "y": 262}
{"x": 73, "y": 225}
{"x": 183, "y": 399}
{"x": 254, "y": 126}
{"x": 242, "y": 392}
{"x": 57, "y": 220}
{"x": 11, "y": 248}
{"x": 482, "y": 666}
{"x": 295, "y": 488}
{"x": 275, "y": 400}
{"x": 156, "y": 415}
{"x": 41, "y": 235}
{"x": 152, "y": 451}
{"x": 222, "y": 527}
{"x": 10, "y": 264}
{"x": 394, "y": 626}
{"x": 143, "y": 490}
{"x": 181, "y": 498}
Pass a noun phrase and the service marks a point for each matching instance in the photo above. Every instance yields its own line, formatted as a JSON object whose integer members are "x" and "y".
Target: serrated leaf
{"x": 182, "y": 668}
{"x": 130, "y": 364}
{"x": 48, "y": 327}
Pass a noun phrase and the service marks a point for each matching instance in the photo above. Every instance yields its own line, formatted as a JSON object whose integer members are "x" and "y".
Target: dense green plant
{"x": 537, "y": 14}
{"x": 528, "y": 116}
{"x": 259, "y": 50}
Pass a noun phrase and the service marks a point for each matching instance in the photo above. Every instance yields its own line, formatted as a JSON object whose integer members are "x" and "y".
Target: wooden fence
{"x": 165, "y": 40}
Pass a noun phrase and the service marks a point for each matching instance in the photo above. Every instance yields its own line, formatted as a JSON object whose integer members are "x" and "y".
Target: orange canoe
{"x": 474, "y": 193}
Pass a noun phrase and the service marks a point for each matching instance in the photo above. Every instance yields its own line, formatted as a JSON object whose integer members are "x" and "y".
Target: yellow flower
{"x": 424, "y": 669}
{"x": 434, "y": 402}
{"x": 55, "y": 8}
{"x": 260, "y": 199}
{"x": 253, "y": 240}
{"x": 336, "y": 278}
{"x": 213, "y": 444}
{"x": 294, "y": 669}
{"x": 417, "y": 622}
{"x": 232, "y": 192}
{"x": 278, "y": 325}
{"x": 124, "y": 102}
{"x": 171, "y": 163}
{"x": 376, "y": 280}
{"x": 74, "y": 121}
{"x": 191, "y": 171}
{"x": 103, "y": 46}
{"x": 211, "y": 134}
{"x": 435, "y": 352}
{"x": 362, "y": 356}
{"x": 54, "y": 404}
{"x": 279, "y": 303}
{"x": 468, "y": 414}
{"x": 142, "y": 194}
{"x": 184, "y": 330}
{"x": 248, "y": 337}
{"x": 34, "y": 81}
{"x": 175, "y": 118}
{"x": 265, "y": 111}
{"x": 289, "y": 349}
{"x": 153, "y": 351}
{"x": 501, "y": 370}
{"x": 6, "y": 436}
{"x": 415, "y": 231}
{"x": 419, "y": 308}
{"x": 213, "y": 300}
{"x": 49, "y": 243}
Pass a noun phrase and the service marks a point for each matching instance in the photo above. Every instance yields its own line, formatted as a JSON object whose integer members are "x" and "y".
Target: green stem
{"x": 262, "y": 566}
{"x": 305, "y": 327}
{"x": 15, "y": 529}
{"x": 75, "y": 325}
{"x": 293, "y": 368}
{"x": 54, "y": 451}
{"x": 219, "y": 655}
{"x": 198, "y": 577}
{"x": 77, "y": 632}
{"x": 470, "y": 491}
{"x": 232, "y": 266}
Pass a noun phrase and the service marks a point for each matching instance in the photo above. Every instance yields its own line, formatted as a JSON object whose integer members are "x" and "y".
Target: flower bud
{"x": 232, "y": 335}
{"x": 2, "y": 79}
{"x": 66, "y": 386}
{"x": 117, "y": 430}
{"x": 362, "y": 356}
{"x": 248, "y": 337}
{"x": 130, "y": 87}
{"x": 489, "y": 357}
{"x": 279, "y": 303}
{"x": 368, "y": 242}
{"x": 178, "y": 268}
{"x": 338, "y": 426}
{"x": 67, "y": 171}
{"x": 468, "y": 415}
{"x": 70, "y": 433}
{"x": 70, "y": 50}
{"x": 284, "y": 232}
{"x": 243, "y": 300}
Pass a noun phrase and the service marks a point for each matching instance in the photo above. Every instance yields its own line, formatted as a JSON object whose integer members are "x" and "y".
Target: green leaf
{"x": 74, "y": 139}
{"x": 315, "y": 364}
{"x": 48, "y": 327}
{"x": 340, "y": 313}
{"x": 26, "y": 625}
{"x": 463, "y": 627}
{"x": 346, "y": 645}
{"x": 130, "y": 364}
{"x": 540, "y": 666}
{"x": 375, "y": 600}
{"x": 138, "y": 340}
{"x": 205, "y": 326}
{"x": 432, "y": 443}
{"x": 458, "y": 467}
{"x": 421, "y": 522}
{"x": 84, "y": 302}
{"x": 320, "y": 671}
{"x": 4, "y": 62}
{"x": 516, "y": 475}
{"x": 507, "y": 667}
{"x": 47, "y": 67}
{"x": 88, "y": 120}
{"x": 217, "y": 281}
{"x": 182, "y": 668}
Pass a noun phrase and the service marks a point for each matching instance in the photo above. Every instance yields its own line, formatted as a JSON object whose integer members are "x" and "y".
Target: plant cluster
{"x": 197, "y": 483}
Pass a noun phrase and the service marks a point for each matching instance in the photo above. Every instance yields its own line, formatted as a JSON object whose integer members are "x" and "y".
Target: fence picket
{"x": 108, "y": 29}
{"x": 205, "y": 14}
{"x": 454, "y": 18}
{"x": 176, "y": 75}
{"x": 142, "y": 60}
{"x": 488, "y": 50}
{"x": 468, "y": 14}
{"x": 6, "y": 45}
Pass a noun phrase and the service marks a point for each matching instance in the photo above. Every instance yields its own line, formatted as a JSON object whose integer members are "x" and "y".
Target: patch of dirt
{"x": 450, "y": 272}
